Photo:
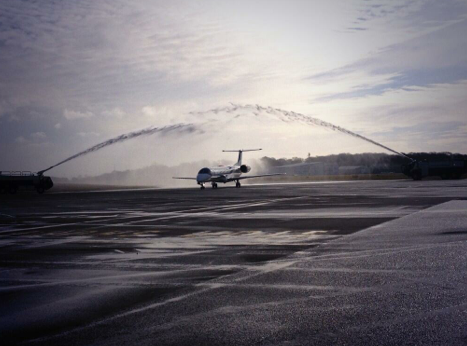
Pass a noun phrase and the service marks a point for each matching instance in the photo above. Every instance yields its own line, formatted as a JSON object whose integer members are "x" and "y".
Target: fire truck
{"x": 12, "y": 181}
{"x": 452, "y": 169}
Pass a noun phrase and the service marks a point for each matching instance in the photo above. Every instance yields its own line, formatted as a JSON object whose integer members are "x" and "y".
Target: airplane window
{"x": 205, "y": 171}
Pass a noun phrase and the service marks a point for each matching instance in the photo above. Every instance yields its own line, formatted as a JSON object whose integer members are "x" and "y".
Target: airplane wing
{"x": 259, "y": 176}
{"x": 186, "y": 178}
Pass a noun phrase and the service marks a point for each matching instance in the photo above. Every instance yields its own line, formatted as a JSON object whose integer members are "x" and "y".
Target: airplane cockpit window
{"x": 205, "y": 171}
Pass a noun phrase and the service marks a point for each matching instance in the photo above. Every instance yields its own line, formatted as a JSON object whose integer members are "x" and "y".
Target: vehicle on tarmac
{"x": 452, "y": 169}
{"x": 226, "y": 174}
{"x": 12, "y": 181}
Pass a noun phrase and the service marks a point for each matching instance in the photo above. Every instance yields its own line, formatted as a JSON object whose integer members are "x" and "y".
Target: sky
{"x": 76, "y": 73}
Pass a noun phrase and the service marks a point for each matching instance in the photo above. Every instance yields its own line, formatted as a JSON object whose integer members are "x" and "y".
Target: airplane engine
{"x": 245, "y": 168}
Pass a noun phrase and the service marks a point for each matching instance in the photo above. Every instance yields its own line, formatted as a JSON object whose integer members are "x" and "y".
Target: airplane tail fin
{"x": 240, "y": 152}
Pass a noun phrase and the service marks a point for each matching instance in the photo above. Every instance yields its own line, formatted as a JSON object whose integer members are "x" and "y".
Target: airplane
{"x": 226, "y": 174}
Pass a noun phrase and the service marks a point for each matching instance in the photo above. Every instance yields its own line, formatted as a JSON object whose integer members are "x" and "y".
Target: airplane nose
{"x": 203, "y": 177}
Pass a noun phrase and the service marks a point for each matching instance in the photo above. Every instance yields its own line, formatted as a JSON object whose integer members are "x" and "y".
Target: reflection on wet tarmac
{"x": 71, "y": 261}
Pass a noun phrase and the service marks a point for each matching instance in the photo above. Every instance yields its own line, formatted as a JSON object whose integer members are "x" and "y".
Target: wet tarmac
{"x": 367, "y": 262}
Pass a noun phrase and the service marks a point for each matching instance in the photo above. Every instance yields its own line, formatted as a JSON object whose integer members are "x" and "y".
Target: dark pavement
{"x": 370, "y": 263}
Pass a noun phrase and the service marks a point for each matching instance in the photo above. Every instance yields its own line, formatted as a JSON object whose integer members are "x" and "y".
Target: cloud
{"x": 357, "y": 29}
{"x": 72, "y": 115}
{"x": 419, "y": 118}
{"x": 14, "y": 117}
{"x": 149, "y": 111}
{"x": 20, "y": 139}
{"x": 436, "y": 57}
{"x": 165, "y": 113}
{"x": 405, "y": 81}
{"x": 3, "y": 108}
{"x": 38, "y": 135}
{"x": 101, "y": 51}
{"x": 114, "y": 113}
{"x": 88, "y": 134}
{"x": 58, "y": 126}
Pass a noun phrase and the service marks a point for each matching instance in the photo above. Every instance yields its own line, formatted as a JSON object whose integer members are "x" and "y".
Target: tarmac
{"x": 329, "y": 263}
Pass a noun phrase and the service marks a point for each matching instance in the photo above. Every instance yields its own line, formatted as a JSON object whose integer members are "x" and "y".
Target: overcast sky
{"x": 75, "y": 73}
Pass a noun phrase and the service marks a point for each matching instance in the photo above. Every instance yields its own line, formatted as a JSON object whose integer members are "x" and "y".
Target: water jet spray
{"x": 181, "y": 128}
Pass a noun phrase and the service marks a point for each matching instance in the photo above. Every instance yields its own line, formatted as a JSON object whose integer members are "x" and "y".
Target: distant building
{"x": 313, "y": 168}
{"x": 319, "y": 168}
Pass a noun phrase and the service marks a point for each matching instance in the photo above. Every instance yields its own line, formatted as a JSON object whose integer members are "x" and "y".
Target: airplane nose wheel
{"x": 202, "y": 186}
{"x": 214, "y": 185}
{"x": 238, "y": 184}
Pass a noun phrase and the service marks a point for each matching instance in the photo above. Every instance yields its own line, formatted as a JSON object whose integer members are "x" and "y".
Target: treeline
{"x": 378, "y": 162}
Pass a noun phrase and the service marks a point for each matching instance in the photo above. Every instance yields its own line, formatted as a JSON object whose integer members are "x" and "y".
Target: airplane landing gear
{"x": 202, "y": 186}
{"x": 238, "y": 184}
{"x": 214, "y": 185}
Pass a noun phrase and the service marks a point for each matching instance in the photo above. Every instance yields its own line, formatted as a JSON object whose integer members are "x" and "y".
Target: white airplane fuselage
{"x": 220, "y": 174}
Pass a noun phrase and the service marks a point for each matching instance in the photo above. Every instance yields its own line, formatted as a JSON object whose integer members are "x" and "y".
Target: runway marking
{"x": 54, "y": 242}
{"x": 104, "y": 191}
{"x": 97, "y": 280}
{"x": 129, "y": 265}
{"x": 11, "y": 216}
{"x": 198, "y": 212}
{"x": 236, "y": 309}
{"x": 128, "y": 313}
{"x": 37, "y": 227}
{"x": 296, "y": 287}
{"x": 355, "y": 270}
{"x": 212, "y": 211}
